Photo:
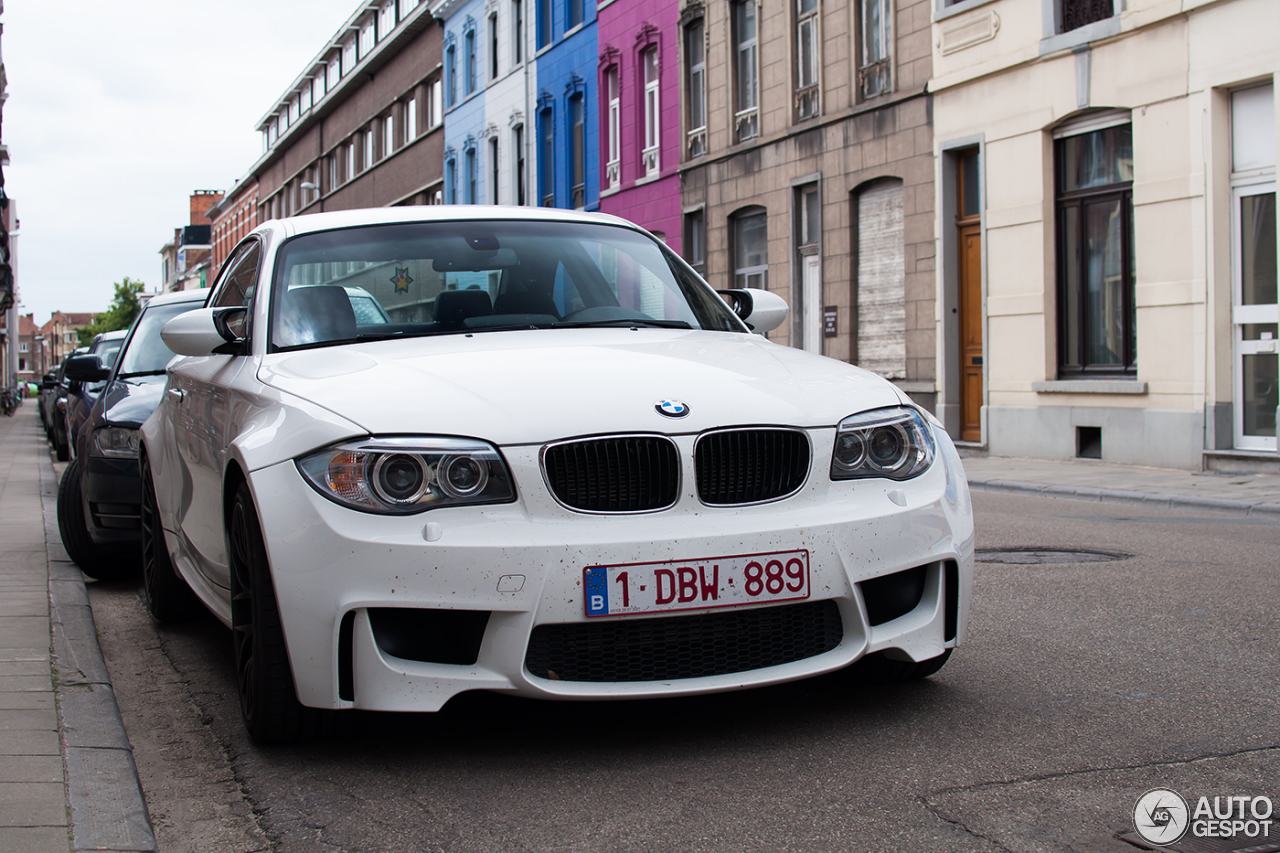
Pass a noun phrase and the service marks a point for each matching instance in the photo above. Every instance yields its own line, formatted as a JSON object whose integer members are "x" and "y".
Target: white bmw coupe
{"x": 419, "y": 451}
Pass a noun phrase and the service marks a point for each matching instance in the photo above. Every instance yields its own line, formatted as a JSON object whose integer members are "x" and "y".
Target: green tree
{"x": 123, "y": 309}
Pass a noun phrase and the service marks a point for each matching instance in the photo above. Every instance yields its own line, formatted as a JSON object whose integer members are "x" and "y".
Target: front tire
{"x": 94, "y": 560}
{"x": 268, "y": 699}
{"x": 168, "y": 597}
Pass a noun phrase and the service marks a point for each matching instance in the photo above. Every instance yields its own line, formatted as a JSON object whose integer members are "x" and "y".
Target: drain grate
{"x": 1042, "y": 556}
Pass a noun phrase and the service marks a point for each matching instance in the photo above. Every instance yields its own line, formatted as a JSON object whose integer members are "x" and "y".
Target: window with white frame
{"x": 368, "y": 147}
{"x": 304, "y": 98}
{"x": 334, "y": 179}
{"x": 368, "y": 36}
{"x": 746, "y": 80}
{"x": 389, "y": 134}
{"x": 348, "y": 57}
{"x": 613, "y": 167}
{"x": 517, "y": 32}
{"x": 517, "y": 142}
{"x": 410, "y": 120}
{"x": 386, "y": 19}
{"x": 351, "y": 160}
{"x": 333, "y": 71}
{"x": 751, "y": 248}
{"x": 406, "y": 6}
{"x": 493, "y": 169}
{"x": 696, "y": 87}
{"x": 574, "y": 16}
{"x": 652, "y": 113}
{"x": 807, "y": 62}
{"x": 1074, "y": 14}
{"x": 469, "y": 57}
{"x": 874, "y": 66}
{"x": 435, "y": 102}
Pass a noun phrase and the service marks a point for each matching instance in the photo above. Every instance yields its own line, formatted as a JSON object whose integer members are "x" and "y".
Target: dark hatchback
{"x": 98, "y": 498}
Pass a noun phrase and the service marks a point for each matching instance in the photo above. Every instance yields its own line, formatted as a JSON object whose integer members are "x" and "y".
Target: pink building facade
{"x": 639, "y": 113}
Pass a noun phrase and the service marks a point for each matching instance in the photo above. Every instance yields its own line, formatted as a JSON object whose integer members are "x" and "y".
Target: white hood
{"x": 531, "y": 387}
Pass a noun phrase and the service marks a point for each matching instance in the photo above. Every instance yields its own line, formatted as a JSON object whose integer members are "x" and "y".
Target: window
{"x": 806, "y": 104}
{"x": 517, "y": 32}
{"x": 304, "y": 98}
{"x": 750, "y": 249}
{"x": 386, "y": 19}
{"x": 493, "y": 170}
{"x": 410, "y": 120}
{"x": 368, "y": 36}
{"x": 696, "y": 87}
{"x": 1096, "y": 315}
{"x": 334, "y": 180}
{"x": 389, "y": 134}
{"x": 873, "y": 67}
{"x": 1074, "y": 14}
{"x": 333, "y": 71}
{"x": 612, "y": 168}
{"x": 544, "y": 23}
{"x": 451, "y": 179}
{"x": 348, "y": 57}
{"x": 518, "y": 143}
{"x": 649, "y": 156}
{"x": 578, "y": 111}
{"x": 574, "y": 16}
{"x": 746, "y": 81}
{"x": 435, "y": 102}
{"x": 471, "y": 176}
{"x": 351, "y": 160}
{"x": 368, "y": 147}
{"x": 548, "y": 159}
{"x": 406, "y": 6}
{"x": 493, "y": 46}
{"x": 469, "y": 56}
{"x": 451, "y": 72}
{"x": 695, "y": 240}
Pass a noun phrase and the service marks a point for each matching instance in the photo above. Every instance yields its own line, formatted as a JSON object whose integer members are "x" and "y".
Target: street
{"x": 1081, "y": 686}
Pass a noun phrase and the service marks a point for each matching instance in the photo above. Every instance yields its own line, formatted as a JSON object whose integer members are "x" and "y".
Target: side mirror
{"x": 762, "y": 310}
{"x": 86, "y": 368}
{"x": 206, "y": 331}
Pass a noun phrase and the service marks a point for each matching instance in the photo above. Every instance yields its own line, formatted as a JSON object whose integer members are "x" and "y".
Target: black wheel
{"x": 61, "y": 448}
{"x": 268, "y": 699}
{"x": 168, "y": 597}
{"x": 877, "y": 667}
{"x": 94, "y": 560}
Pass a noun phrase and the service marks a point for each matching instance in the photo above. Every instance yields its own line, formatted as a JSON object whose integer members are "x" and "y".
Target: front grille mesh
{"x": 616, "y": 474}
{"x": 672, "y": 647}
{"x": 750, "y": 465}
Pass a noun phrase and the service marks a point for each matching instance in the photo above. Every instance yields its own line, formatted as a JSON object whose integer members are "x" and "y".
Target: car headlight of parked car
{"x": 115, "y": 443}
{"x": 408, "y": 475}
{"x": 895, "y": 443}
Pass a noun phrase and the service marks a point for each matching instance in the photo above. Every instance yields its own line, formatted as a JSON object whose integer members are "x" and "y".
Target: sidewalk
{"x": 67, "y": 777}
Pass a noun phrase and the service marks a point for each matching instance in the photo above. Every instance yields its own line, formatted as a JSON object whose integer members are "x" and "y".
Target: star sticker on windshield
{"x": 402, "y": 280}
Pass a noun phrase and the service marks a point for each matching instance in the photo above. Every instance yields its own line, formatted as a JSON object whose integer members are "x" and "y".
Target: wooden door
{"x": 971, "y": 332}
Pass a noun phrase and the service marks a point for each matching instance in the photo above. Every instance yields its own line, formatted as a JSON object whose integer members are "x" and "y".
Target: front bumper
{"x": 522, "y": 565}
{"x": 112, "y": 491}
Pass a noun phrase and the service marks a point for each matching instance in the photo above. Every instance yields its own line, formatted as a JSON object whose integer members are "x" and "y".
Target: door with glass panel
{"x": 1255, "y": 317}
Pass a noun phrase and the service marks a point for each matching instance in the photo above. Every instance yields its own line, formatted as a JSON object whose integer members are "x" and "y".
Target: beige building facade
{"x": 1106, "y": 228}
{"x": 807, "y": 169}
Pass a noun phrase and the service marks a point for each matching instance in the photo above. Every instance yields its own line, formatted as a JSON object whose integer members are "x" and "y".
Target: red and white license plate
{"x": 696, "y": 584}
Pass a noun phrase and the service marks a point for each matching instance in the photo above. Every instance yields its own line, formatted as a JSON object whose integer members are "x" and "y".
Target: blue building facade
{"x": 565, "y": 120}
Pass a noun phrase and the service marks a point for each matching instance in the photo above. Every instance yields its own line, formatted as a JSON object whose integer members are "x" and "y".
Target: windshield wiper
{"x": 656, "y": 324}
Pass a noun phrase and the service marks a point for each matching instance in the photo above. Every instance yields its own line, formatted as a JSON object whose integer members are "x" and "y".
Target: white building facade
{"x": 1106, "y": 197}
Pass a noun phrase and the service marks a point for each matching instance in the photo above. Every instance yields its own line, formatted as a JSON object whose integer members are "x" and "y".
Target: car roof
{"x": 198, "y": 295}
{"x": 109, "y": 336}
{"x": 435, "y": 213}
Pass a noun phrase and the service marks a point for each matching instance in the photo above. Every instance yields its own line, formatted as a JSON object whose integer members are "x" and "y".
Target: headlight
{"x": 895, "y": 443}
{"x": 115, "y": 442}
{"x": 408, "y": 475}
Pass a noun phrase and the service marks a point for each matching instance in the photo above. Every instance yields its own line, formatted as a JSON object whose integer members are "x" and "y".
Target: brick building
{"x": 33, "y": 360}
{"x": 359, "y": 127}
{"x": 60, "y": 334}
{"x": 186, "y": 262}
{"x": 809, "y": 171}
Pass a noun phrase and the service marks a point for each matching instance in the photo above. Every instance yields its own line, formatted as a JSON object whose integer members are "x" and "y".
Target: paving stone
{"x": 33, "y": 719}
{"x": 31, "y": 768}
{"x": 29, "y": 743}
{"x": 35, "y": 839}
{"x": 33, "y": 804}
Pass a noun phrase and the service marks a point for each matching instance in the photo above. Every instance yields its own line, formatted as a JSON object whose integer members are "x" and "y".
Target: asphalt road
{"x": 1082, "y": 685}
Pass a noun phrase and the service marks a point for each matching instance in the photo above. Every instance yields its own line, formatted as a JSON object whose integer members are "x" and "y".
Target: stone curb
{"x": 106, "y": 805}
{"x": 1126, "y": 497}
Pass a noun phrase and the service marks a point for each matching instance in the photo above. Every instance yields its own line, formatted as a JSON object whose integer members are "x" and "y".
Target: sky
{"x": 118, "y": 111}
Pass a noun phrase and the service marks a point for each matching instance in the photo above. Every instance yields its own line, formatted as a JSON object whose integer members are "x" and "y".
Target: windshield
{"x": 449, "y": 277}
{"x": 147, "y": 352}
{"x": 107, "y": 350}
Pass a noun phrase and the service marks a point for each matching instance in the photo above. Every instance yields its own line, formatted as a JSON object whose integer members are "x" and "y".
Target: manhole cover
{"x": 1038, "y": 556}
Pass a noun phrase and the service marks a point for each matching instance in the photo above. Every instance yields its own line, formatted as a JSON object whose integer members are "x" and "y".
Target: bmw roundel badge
{"x": 671, "y": 408}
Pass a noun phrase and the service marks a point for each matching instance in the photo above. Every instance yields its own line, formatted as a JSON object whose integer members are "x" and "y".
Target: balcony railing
{"x": 649, "y": 158}
{"x": 612, "y": 174}
{"x": 806, "y": 102}
{"x": 747, "y": 124}
{"x": 697, "y": 142}
{"x": 874, "y": 79}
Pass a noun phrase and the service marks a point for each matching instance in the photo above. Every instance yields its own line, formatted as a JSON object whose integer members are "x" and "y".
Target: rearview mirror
{"x": 762, "y": 310}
